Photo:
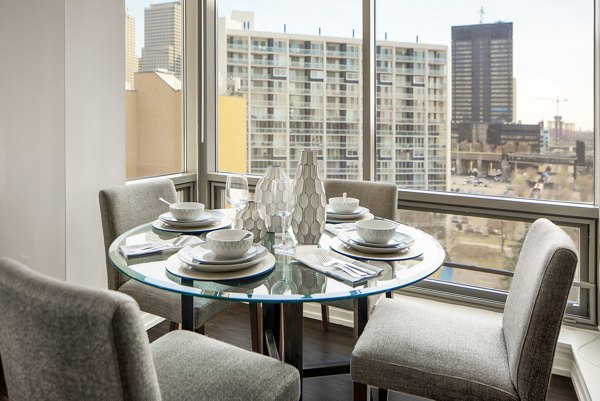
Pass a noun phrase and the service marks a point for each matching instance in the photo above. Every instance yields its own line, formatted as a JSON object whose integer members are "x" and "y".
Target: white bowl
{"x": 343, "y": 207}
{"x": 226, "y": 244}
{"x": 376, "y": 231}
{"x": 186, "y": 211}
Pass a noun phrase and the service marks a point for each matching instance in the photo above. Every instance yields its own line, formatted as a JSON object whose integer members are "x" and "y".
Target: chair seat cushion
{"x": 190, "y": 366}
{"x": 167, "y": 304}
{"x": 413, "y": 347}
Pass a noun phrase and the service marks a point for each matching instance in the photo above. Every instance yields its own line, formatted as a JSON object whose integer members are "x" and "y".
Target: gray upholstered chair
{"x": 63, "y": 342}
{"x": 128, "y": 206}
{"x": 381, "y": 199}
{"x": 416, "y": 348}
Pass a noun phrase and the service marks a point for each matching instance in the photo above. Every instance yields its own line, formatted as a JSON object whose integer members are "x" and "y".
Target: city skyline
{"x": 542, "y": 72}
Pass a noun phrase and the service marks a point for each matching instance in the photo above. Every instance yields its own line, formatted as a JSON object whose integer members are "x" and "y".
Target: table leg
{"x": 361, "y": 315}
{"x": 187, "y": 308}
{"x": 293, "y": 336}
{"x": 256, "y": 326}
{"x": 272, "y": 323}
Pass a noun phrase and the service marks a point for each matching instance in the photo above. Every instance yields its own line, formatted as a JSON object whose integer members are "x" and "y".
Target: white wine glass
{"x": 236, "y": 191}
{"x": 284, "y": 202}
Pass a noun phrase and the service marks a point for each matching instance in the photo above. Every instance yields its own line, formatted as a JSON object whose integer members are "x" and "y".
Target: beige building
{"x": 154, "y": 117}
{"x": 154, "y": 120}
{"x": 131, "y": 60}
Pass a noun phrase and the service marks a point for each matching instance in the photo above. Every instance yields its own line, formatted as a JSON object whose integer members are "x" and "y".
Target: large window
{"x": 289, "y": 79}
{"x": 493, "y": 100}
{"x": 483, "y": 117}
{"x": 154, "y": 88}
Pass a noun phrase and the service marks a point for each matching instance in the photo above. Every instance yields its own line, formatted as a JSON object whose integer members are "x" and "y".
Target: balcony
{"x": 296, "y": 50}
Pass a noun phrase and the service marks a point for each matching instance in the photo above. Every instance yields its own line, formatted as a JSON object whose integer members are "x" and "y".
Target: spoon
{"x": 243, "y": 237}
{"x": 344, "y": 197}
{"x": 166, "y": 202}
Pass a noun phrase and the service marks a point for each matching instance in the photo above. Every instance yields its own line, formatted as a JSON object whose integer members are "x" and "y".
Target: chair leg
{"x": 383, "y": 394}
{"x": 325, "y": 317}
{"x": 360, "y": 391}
{"x": 174, "y": 326}
{"x": 201, "y": 330}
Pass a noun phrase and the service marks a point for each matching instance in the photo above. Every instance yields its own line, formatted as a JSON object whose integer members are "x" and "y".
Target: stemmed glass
{"x": 284, "y": 202}
{"x": 236, "y": 191}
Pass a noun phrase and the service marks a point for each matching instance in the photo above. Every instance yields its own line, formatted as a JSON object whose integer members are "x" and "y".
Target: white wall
{"x": 61, "y": 131}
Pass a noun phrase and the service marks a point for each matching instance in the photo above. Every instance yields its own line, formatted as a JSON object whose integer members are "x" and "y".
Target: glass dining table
{"x": 276, "y": 298}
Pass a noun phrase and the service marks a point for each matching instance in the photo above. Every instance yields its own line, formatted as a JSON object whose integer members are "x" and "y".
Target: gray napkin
{"x": 160, "y": 246}
{"x": 306, "y": 255}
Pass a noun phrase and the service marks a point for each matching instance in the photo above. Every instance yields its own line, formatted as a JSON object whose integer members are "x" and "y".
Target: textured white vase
{"x": 249, "y": 218}
{"x": 264, "y": 197}
{"x": 308, "y": 218}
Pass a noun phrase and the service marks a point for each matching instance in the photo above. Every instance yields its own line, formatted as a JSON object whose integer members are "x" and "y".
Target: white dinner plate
{"x": 337, "y": 245}
{"x": 347, "y": 216}
{"x": 162, "y": 226}
{"x": 366, "y": 216}
{"x": 202, "y": 254}
{"x": 180, "y": 269}
{"x": 185, "y": 257}
{"x": 208, "y": 217}
{"x": 399, "y": 241}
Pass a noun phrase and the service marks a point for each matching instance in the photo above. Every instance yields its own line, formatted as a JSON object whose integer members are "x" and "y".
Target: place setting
{"x": 190, "y": 218}
{"x": 345, "y": 269}
{"x": 226, "y": 255}
{"x": 376, "y": 240}
{"x": 345, "y": 209}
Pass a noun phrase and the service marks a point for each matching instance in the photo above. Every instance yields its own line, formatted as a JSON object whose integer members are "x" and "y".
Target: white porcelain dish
{"x": 347, "y": 216}
{"x": 202, "y": 254}
{"x": 334, "y": 220}
{"x": 229, "y": 244}
{"x": 399, "y": 240}
{"x": 376, "y": 231}
{"x": 185, "y": 257}
{"x": 343, "y": 205}
{"x": 402, "y": 247}
{"x": 338, "y": 246}
{"x": 186, "y": 211}
{"x": 216, "y": 225}
{"x": 257, "y": 268}
{"x": 205, "y": 219}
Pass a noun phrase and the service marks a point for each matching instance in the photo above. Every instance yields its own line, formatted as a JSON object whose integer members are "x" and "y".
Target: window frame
{"x": 583, "y": 216}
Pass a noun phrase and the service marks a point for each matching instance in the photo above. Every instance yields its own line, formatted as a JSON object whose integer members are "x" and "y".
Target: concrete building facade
{"x": 305, "y": 91}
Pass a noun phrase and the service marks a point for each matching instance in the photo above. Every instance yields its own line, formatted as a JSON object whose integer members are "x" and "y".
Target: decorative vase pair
{"x": 308, "y": 217}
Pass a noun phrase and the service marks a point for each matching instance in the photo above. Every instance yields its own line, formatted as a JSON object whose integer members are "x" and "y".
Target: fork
{"x": 326, "y": 261}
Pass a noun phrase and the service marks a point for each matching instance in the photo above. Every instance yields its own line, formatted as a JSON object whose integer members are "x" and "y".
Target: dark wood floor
{"x": 233, "y": 327}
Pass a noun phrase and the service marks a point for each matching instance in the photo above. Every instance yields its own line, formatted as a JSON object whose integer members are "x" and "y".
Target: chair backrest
{"x": 536, "y": 305}
{"x": 128, "y": 206}
{"x": 380, "y": 198}
{"x": 63, "y": 342}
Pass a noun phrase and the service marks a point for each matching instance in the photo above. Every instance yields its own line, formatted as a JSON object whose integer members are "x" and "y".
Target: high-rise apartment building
{"x": 305, "y": 91}
{"x": 131, "y": 60}
{"x": 162, "y": 38}
{"x": 482, "y": 73}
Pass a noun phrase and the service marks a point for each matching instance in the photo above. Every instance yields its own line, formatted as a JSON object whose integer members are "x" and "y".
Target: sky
{"x": 552, "y": 39}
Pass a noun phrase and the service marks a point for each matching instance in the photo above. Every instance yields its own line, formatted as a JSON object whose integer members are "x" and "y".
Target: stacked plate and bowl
{"x": 190, "y": 217}
{"x": 345, "y": 210}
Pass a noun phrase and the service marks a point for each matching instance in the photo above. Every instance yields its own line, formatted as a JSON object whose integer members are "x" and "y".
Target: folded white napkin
{"x": 307, "y": 255}
{"x": 160, "y": 246}
{"x": 343, "y": 227}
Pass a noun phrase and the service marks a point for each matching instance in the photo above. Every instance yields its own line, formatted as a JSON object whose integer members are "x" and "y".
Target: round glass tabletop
{"x": 289, "y": 282}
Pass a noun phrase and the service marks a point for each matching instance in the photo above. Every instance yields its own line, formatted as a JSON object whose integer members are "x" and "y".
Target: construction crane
{"x": 554, "y": 99}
